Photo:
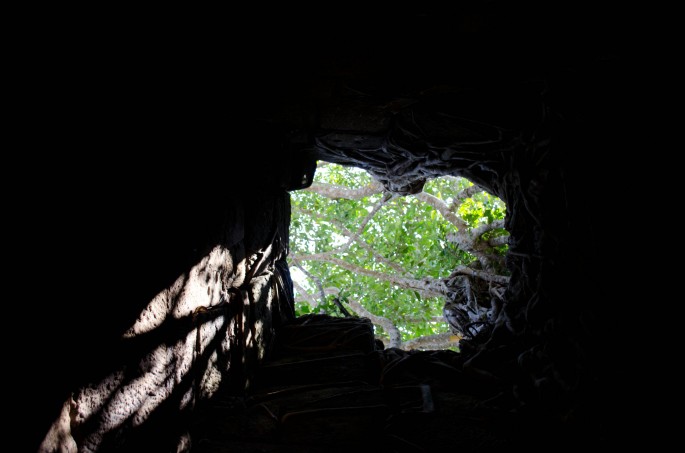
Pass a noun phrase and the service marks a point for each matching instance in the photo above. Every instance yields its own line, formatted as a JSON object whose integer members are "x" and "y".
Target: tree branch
{"x": 437, "y": 341}
{"x": 443, "y": 209}
{"x": 466, "y": 239}
{"x": 468, "y": 192}
{"x": 485, "y": 275}
{"x": 429, "y": 287}
{"x": 334, "y": 191}
{"x": 316, "y": 280}
{"x": 495, "y": 224}
{"x": 498, "y": 240}
{"x": 304, "y": 294}
{"x": 385, "y": 323}
{"x": 356, "y": 237}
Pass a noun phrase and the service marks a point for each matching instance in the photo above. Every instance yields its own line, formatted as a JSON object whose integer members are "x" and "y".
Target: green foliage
{"x": 405, "y": 231}
{"x": 481, "y": 208}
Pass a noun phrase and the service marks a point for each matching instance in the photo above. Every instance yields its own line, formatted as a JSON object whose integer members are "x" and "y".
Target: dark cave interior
{"x": 187, "y": 139}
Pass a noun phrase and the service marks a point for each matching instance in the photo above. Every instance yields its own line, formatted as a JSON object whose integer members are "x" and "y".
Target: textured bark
{"x": 333, "y": 191}
{"x": 438, "y": 341}
{"x": 515, "y": 157}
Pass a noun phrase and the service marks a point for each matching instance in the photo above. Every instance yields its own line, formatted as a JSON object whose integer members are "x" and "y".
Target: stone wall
{"x": 204, "y": 330}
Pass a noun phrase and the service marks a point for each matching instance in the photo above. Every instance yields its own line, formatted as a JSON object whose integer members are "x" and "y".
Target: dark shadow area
{"x": 146, "y": 142}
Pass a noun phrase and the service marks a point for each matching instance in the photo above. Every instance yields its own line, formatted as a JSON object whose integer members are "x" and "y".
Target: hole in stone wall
{"x": 427, "y": 269}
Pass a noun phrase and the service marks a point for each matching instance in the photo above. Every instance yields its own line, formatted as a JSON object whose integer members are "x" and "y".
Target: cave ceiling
{"x": 409, "y": 94}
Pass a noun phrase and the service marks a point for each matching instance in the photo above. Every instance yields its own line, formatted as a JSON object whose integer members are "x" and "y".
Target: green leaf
{"x": 409, "y": 233}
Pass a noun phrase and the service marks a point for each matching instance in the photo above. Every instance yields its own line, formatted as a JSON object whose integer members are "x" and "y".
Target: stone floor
{"x": 329, "y": 387}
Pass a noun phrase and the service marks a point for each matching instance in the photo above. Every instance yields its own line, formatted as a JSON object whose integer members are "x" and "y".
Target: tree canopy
{"x": 427, "y": 269}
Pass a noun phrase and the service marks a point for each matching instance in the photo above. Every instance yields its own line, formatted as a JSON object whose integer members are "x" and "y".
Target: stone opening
{"x": 427, "y": 268}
